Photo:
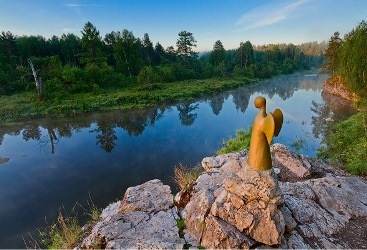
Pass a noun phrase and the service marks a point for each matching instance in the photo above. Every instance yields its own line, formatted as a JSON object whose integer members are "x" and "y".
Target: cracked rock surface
{"x": 301, "y": 203}
{"x": 314, "y": 205}
{"x": 145, "y": 218}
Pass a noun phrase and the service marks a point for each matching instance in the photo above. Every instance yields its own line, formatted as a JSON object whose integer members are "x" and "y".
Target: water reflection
{"x": 60, "y": 161}
{"x": 135, "y": 122}
{"x": 216, "y": 103}
{"x": 333, "y": 108}
{"x": 186, "y": 115}
{"x": 106, "y": 136}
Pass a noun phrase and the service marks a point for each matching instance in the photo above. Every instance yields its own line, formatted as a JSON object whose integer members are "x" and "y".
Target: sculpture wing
{"x": 278, "y": 119}
{"x": 268, "y": 127}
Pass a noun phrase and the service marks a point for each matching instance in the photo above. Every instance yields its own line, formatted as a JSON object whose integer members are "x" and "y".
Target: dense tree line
{"x": 70, "y": 64}
{"x": 348, "y": 58}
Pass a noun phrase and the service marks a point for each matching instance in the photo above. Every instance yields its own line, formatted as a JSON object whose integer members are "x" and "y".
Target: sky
{"x": 230, "y": 21}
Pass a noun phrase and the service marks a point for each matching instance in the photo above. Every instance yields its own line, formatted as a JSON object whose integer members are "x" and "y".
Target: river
{"x": 56, "y": 163}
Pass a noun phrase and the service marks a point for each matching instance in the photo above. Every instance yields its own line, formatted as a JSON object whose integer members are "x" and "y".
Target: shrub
{"x": 148, "y": 75}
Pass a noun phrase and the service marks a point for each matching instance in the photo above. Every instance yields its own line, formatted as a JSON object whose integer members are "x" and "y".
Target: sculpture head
{"x": 260, "y": 102}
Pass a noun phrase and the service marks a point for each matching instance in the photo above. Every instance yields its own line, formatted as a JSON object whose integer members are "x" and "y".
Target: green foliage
{"x": 245, "y": 54}
{"x": 240, "y": 142}
{"x": 92, "y": 47}
{"x": 347, "y": 146}
{"x": 347, "y": 58}
{"x": 218, "y": 53}
{"x": 332, "y": 53}
{"x": 185, "y": 44}
{"x": 353, "y": 59}
{"x": 69, "y": 65}
{"x": 181, "y": 226}
{"x": 60, "y": 101}
{"x": 127, "y": 53}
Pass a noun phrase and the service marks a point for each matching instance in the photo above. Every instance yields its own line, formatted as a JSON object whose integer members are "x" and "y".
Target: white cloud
{"x": 71, "y": 5}
{"x": 267, "y": 15}
{"x": 68, "y": 30}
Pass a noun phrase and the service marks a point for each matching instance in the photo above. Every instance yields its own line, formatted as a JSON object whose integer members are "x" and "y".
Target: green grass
{"x": 26, "y": 105}
{"x": 240, "y": 142}
{"x": 181, "y": 226}
{"x": 347, "y": 146}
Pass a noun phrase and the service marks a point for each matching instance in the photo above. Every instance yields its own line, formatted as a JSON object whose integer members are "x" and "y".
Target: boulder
{"x": 218, "y": 161}
{"x": 151, "y": 196}
{"x": 236, "y": 201}
{"x": 145, "y": 218}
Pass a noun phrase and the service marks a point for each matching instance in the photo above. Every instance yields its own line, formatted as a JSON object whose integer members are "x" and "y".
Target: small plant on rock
{"x": 184, "y": 176}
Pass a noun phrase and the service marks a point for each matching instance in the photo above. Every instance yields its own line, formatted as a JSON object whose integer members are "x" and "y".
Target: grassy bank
{"x": 26, "y": 105}
{"x": 238, "y": 143}
{"x": 347, "y": 145}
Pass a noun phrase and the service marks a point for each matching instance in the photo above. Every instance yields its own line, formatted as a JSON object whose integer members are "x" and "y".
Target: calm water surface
{"x": 58, "y": 162}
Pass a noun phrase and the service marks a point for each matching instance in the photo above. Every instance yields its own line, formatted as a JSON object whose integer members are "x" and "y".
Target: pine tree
{"x": 185, "y": 44}
{"x": 92, "y": 46}
{"x": 217, "y": 55}
{"x": 331, "y": 54}
{"x": 148, "y": 51}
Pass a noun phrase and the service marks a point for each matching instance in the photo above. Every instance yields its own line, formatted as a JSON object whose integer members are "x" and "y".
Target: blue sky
{"x": 231, "y": 21}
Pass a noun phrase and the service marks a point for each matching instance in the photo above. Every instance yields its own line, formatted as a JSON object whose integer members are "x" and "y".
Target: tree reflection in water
{"x": 106, "y": 136}
{"x": 134, "y": 122}
{"x": 334, "y": 107}
{"x": 186, "y": 117}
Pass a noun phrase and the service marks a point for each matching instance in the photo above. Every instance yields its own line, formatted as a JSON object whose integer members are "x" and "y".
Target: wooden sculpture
{"x": 265, "y": 127}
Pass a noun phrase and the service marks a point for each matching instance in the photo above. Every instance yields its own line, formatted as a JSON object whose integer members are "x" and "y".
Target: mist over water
{"x": 58, "y": 162}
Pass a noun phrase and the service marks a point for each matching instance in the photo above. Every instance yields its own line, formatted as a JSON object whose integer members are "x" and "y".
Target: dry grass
{"x": 184, "y": 176}
{"x": 62, "y": 234}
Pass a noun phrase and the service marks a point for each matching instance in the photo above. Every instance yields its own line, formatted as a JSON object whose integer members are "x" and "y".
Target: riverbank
{"x": 347, "y": 145}
{"x": 336, "y": 86}
{"x": 27, "y": 106}
{"x": 317, "y": 207}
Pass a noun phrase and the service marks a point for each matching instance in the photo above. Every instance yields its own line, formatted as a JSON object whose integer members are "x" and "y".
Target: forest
{"x": 70, "y": 64}
{"x": 348, "y": 58}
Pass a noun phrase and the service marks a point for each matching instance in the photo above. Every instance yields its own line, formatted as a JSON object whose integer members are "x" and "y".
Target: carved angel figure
{"x": 265, "y": 127}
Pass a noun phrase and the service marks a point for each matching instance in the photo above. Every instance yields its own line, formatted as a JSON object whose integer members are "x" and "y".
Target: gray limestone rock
{"x": 234, "y": 206}
{"x": 151, "y": 196}
{"x": 323, "y": 207}
{"x": 144, "y": 219}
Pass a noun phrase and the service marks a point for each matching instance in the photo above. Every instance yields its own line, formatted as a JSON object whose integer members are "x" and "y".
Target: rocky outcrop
{"x": 336, "y": 86}
{"x": 324, "y": 207}
{"x": 299, "y": 203}
{"x": 144, "y": 219}
{"x": 234, "y": 206}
